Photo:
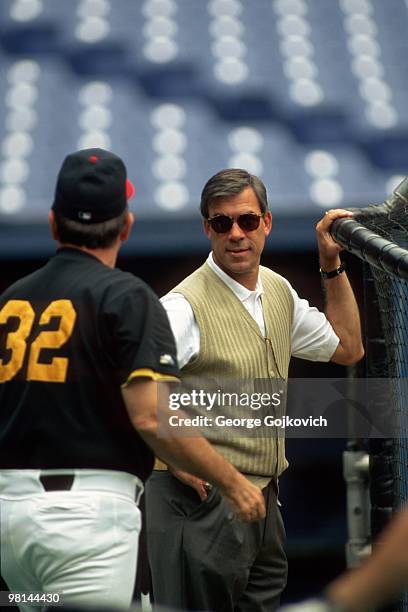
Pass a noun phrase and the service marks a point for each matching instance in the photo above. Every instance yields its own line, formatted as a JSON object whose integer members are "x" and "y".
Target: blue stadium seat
{"x": 29, "y": 27}
{"x": 231, "y": 74}
{"x": 94, "y": 39}
{"x": 35, "y": 131}
{"x": 165, "y": 47}
{"x": 173, "y": 153}
{"x": 313, "y": 92}
{"x": 340, "y": 175}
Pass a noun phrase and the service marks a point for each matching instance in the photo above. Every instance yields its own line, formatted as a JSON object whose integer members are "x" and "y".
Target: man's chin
{"x": 240, "y": 267}
{"x": 237, "y": 265}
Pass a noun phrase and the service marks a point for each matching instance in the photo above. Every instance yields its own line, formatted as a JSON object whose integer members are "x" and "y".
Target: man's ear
{"x": 207, "y": 228}
{"x": 267, "y": 222}
{"x": 53, "y": 225}
{"x": 129, "y": 221}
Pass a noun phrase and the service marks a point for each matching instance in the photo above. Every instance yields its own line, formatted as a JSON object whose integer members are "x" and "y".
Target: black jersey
{"x": 71, "y": 334}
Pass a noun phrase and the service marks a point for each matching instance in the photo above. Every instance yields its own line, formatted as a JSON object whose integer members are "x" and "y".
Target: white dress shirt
{"x": 313, "y": 337}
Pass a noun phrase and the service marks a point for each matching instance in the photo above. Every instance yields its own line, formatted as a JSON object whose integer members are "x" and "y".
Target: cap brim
{"x": 130, "y": 189}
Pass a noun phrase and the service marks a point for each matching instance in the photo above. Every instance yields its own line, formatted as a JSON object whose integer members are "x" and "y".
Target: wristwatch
{"x": 333, "y": 273}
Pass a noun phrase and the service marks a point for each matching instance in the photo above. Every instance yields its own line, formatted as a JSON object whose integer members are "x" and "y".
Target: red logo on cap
{"x": 93, "y": 159}
{"x": 130, "y": 189}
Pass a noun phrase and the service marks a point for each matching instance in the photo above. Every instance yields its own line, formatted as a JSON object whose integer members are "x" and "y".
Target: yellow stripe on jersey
{"x": 149, "y": 373}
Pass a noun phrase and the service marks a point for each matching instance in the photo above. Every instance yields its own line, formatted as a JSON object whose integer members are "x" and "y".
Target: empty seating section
{"x": 309, "y": 94}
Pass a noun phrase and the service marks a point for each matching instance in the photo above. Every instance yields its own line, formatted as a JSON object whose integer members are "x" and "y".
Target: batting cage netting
{"x": 378, "y": 235}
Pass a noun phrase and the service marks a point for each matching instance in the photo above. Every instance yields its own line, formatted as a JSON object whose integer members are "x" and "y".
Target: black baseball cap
{"x": 92, "y": 186}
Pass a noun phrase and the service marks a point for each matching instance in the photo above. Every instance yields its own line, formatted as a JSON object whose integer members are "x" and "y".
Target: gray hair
{"x": 93, "y": 236}
{"x": 230, "y": 182}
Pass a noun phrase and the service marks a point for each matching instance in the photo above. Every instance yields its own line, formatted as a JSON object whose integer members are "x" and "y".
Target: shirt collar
{"x": 239, "y": 290}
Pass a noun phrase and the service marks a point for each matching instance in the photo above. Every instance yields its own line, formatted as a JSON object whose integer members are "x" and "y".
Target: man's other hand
{"x": 195, "y": 483}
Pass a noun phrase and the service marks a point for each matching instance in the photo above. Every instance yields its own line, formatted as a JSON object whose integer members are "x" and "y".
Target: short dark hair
{"x": 93, "y": 236}
{"x": 230, "y": 182}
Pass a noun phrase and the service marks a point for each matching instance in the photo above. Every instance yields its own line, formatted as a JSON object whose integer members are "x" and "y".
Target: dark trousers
{"x": 202, "y": 558}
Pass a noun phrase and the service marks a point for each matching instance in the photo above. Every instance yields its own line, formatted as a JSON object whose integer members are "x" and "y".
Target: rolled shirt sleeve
{"x": 313, "y": 337}
{"x": 183, "y": 325}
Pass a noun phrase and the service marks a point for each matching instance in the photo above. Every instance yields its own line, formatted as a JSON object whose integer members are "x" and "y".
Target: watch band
{"x": 333, "y": 273}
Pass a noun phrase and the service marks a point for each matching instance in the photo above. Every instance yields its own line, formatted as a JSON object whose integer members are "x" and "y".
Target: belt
{"x": 16, "y": 484}
{"x": 57, "y": 482}
{"x": 160, "y": 465}
{"x": 262, "y": 482}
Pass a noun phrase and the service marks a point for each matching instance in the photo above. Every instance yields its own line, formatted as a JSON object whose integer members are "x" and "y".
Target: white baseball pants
{"x": 81, "y": 542}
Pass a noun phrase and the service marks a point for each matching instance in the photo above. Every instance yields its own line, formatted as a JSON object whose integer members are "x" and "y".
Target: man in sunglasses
{"x": 235, "y": 319}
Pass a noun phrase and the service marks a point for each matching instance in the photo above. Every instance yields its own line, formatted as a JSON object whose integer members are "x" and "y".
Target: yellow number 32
{"x": 56, "y": 371}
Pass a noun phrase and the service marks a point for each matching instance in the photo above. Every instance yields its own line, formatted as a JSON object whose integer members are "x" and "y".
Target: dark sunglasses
{"x": 223, "y": 223}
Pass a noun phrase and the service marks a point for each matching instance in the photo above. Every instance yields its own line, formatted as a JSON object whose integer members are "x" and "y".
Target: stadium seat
{"x": 29, "y": 27}
{"x": 165, "y": 47}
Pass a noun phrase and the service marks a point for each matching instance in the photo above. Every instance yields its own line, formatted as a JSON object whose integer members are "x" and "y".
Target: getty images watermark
{"x": 302, "y": 408}
{"x": 219, "y": 401}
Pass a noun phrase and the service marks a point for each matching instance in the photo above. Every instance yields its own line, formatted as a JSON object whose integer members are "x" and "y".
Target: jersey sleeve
{"x": 139, "y": 334}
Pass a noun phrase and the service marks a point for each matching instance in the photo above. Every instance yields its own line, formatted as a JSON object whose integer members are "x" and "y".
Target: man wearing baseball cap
{"x": 83, "y": 347}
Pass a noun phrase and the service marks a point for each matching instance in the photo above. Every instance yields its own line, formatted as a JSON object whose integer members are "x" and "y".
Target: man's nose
{"x": 236, "y": 233}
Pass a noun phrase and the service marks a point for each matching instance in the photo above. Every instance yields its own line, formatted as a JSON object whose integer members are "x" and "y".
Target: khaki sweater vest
{"x": 232, "y": 348}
